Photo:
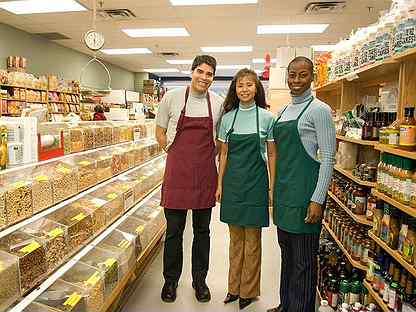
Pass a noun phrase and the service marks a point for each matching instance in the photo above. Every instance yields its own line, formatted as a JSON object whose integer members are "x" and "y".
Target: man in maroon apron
{"x": 185, "y": 129}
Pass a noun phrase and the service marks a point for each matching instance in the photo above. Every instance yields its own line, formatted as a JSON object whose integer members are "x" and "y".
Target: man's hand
{"x": 271, "y": 194}
{"x": 218, "y": 194}
{"x": 314, "y": 215}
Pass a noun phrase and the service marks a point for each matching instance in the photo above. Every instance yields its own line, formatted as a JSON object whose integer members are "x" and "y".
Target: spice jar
{"x": 360, "y": 200}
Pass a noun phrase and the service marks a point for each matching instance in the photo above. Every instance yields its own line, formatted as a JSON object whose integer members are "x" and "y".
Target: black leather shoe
{"x": 244, "y": 302}
{"x": 277, "y": 309}
{"x": 230, "y": 298}
{"x": 169, "y": 292}
{"x": 202, "y": 292}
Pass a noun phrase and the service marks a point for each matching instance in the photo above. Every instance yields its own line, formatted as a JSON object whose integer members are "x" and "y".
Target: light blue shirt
{"x": 246, "y": 124}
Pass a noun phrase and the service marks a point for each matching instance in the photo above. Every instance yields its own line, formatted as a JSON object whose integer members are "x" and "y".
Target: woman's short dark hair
{"x": 232, "y": 101}
{"x": 98, "y": 109}
{"x": 204, "y": 59}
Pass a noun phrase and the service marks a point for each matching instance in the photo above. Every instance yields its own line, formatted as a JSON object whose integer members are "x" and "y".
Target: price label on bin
{"x": 30, "y": 248}
{"x": 140, "y": 229}
{"x": 93, "y": 279}
{"x": 56, "y": 232}
{"x": 79, "y": 217}
{"x": 72, "y": 300}
{"x": 124, "y": 244}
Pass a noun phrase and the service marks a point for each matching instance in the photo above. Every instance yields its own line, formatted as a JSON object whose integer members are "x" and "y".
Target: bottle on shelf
{"x": 408, "y": 129}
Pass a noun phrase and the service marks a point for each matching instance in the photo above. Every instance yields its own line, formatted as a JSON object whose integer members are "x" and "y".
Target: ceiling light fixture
{"x": 291, "y": 29}
{"x": 227, "y": 49}
{"x": 156, "y": 32}
{"x": 41, "y": 6}
{"x": 323, "y": 48}
{"x": 210, "y": 2}
{"x": 179, "y": 62}
{"x": 232, "y": 66}
{"x": 262, "y": 61}
{"x": 126, "y": 51}
{"x": 161, "y": 70}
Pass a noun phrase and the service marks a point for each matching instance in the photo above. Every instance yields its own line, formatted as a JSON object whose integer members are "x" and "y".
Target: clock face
{"x": 94, "y": 40}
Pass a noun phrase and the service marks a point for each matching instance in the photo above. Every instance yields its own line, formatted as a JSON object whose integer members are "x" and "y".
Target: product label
{"x": 72, "y": 300}
{"x": 63, "y": 170}
{"x": 124, "y": 244}
{"x": 56, "y": 232}
{"x": 140, "y": 229}
{"x": 42, "y": 178}
{"x": 392, "y": 299}
{"x": 79, "y": 217}
{"x": 393, "y": 139}
{"x": 93, "y": 279}
{"x": 407, "y": 135}
{"x": 124, "y": 187}
{"x": 112, "y": 196}
{"x": 19, "y": 184}
{"x": 84, "y": 163}
{"x": 333, "y": 299}
{"x": 30, "y": 248}
{"x": 109, "y": 262}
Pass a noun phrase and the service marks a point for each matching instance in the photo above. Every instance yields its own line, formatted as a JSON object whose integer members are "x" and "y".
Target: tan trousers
{"x": 245, "y": 261}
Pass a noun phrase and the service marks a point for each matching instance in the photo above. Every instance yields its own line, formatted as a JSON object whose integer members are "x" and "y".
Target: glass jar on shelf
{"x": 9, "y": 279}
{"x": 54, "y": 238}
{"x": 78, "y": 222}
{"x": 32, "y": 257}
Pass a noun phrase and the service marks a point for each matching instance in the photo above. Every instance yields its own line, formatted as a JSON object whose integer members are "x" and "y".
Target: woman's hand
{"x": 271, "y": 194}
{"x": 218, "y": 194}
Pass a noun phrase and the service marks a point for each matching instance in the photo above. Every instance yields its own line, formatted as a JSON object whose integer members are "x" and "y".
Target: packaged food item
{"x": 64, "y": 181}
{"x": 63, "y": 296}
{"x": 86, "y": 168}
{"x": 92, "y": 282}
{"x": 42, "y": 190}
{"x": 18, "y": 198}
{"x": 31, "y": 254}
{"x": 9, "y": 279}
{"x": 107, "y": 263}
{"x": 97, "y": 209}
{"x": 53, "y": 237}
{"x": 137, "y": 228}
{"x": 121, "y": 244}
{"x": 113, "y": 201}
{"x": 78, "y": 222}
{"x": 76, "y": 135}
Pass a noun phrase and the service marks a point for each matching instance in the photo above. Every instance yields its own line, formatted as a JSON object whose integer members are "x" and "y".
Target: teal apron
{"x": 245, "y": 196}
{"x": 296, "y": 178}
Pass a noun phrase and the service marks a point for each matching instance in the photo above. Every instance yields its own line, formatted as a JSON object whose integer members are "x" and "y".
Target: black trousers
{"x": 299, "y": 272}
{"x": 173, "y": 254}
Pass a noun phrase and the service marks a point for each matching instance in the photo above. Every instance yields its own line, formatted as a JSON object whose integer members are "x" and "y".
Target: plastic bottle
{"x": 408, "y": 129}
{"x": 325, "y": 307}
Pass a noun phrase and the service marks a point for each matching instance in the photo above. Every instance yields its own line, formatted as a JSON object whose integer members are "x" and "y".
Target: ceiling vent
{"x": 328, "y": 7}
{"x": 168, "y": 54}
{"x": 52, "y": 36}
{"x": 116, "y": 14}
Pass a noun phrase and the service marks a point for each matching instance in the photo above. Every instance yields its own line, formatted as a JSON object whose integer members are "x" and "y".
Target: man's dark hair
{"x": 302, "y": 59}
{"x": 204, "y": 59}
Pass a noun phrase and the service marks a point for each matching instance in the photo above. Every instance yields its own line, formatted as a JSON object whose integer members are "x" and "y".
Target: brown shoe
{"x": 230, "y": 298}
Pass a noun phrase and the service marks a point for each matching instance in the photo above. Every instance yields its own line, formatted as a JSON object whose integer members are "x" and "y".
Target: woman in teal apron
{"x": 301, "y": 186}
{"x": 243, "y": 182}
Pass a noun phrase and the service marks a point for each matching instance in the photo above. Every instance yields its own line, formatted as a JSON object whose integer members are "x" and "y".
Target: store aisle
{"x": 147, "y": 295}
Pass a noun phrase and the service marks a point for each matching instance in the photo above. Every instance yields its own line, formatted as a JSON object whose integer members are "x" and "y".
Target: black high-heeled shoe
{"x": 245, "y": 302}
{"x": 230, "y": 298}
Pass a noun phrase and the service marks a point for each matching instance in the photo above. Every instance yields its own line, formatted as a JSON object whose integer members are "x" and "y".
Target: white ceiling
{"x": 207, "y": 25}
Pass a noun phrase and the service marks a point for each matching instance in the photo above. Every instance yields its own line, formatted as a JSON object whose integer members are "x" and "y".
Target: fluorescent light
{"x": 211, "y": 2}
{"x": 126, "y": 51}
{"x": 156, "y": 32}
{"x": 228, "y": 49}
{"x": 262, "y": 61}
{"x": 180, "y": 62}
{"x": 291, "y": 29}
{"x": 232, "y": 66}
{"x": 161, "y": 70}
{"x": 323, "y": 48}
{"x": 41, "y": 6}
{"x": 186, "y": 72}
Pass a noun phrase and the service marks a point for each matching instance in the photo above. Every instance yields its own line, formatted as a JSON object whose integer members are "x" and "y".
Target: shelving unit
{"x": 376, "y": 297}
{"x": 395, "y": 254}
{"x": 396, "y": 151}
{"x": 356, "y": 218}
{"x": 356, "y": 141}
{"x": 350, "y": 176}
{"x": 354, "y": 263}
{"x": 406, "y": 209}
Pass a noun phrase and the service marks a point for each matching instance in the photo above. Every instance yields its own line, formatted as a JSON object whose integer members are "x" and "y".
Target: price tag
{"x": 112, "y": 196}
{"x": 85, "y": 163}
{"x": 63, "y": 170}
{"x": 140, "y": 229}
{"x": 124, "y": 244}
{"x": 19, "y": 184}
{"x": 42, "y": 178}
{"x": 30, "y": 248}
{"x": 79, "y": 217}
{"x": 93, "y": 279}
{"x": 125, "y": 187}
{"x": 72, "y": 300}
{"x": 110, "y": 262}
{"x": 56, "y": 232}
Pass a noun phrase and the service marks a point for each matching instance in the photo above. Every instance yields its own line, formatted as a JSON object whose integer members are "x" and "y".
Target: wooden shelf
{"x": 355, "y": 264}
{"x": 394, "y": 253}
{"x": 357, "y": 218}
{"x": 66, "y": 92}
{"x": 406, "y": 209}
{"x": 376, "y": 297}
{"x": 395, "y": 151}
{"x": 22, "y": 87}
{"x": 356, "y": 141}
{"x": 349, "y": 175}
{"x": 59, "y": 102}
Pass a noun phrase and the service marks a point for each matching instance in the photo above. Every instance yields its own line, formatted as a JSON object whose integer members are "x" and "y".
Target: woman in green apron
{"x": 243, "y": 181}
{"x": 302, "y": 128}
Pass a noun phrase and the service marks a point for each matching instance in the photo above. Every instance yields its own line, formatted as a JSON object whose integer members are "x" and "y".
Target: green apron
{"x": 296, "y": 178}
{"x": 245, "y": 196}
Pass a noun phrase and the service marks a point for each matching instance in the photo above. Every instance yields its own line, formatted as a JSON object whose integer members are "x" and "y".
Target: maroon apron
{"x": 190, "y": 180}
